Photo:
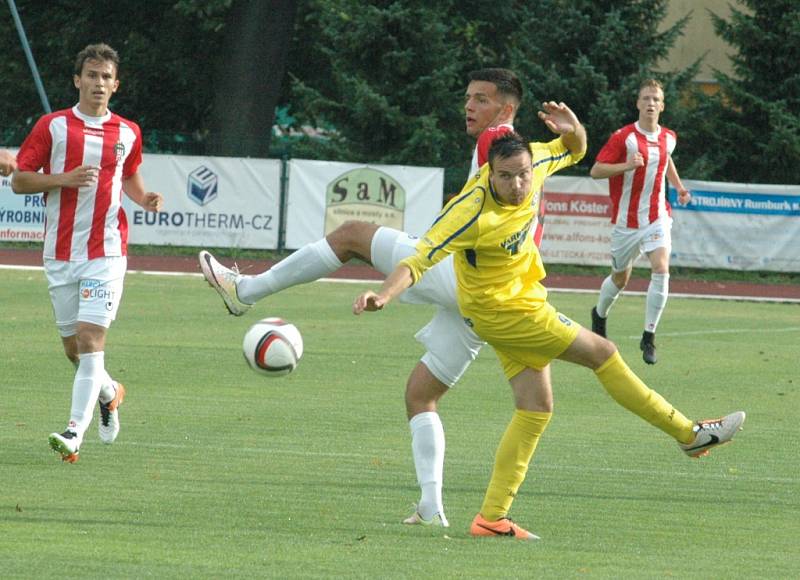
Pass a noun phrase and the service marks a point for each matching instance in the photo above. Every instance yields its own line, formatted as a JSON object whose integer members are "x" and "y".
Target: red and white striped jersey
{"x": 481, "y": 156}
{"x": 86, "y": 223}
{"x": 638, "y": 197}
{"x": 485, "y": 139}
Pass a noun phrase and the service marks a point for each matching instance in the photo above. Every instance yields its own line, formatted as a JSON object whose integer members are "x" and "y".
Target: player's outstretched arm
{"x": 393, "y": 286}
{"x": 561, "y": 120}
{"x": 133, "y": 186}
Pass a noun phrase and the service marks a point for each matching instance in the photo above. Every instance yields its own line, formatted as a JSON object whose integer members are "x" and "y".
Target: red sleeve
{"x": 134, "y": 159}
{"x": 486, "y": 139}
{"x": 614, "y": 150}
{"x": 34, "y": 153}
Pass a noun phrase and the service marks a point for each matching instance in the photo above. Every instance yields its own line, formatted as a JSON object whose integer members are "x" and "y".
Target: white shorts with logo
{"x": 451, "y": 344}
{"x": 627, "y": 244}
{"x": 87, "y": 291}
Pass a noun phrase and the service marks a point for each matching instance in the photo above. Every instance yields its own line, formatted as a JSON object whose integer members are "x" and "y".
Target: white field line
{"x": 549, "y": 289}
{"x": 723, "y": 331}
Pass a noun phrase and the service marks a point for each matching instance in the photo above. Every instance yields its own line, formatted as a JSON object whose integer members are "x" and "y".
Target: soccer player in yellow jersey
{"x": 499, "y": 272}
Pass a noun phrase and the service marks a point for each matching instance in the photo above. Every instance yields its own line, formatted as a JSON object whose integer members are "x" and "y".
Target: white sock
{"x": 609, "y": 292}
{"x": 309, "y": 263}
{"x": 657, "y": 293}
{"x": 108, "y": 388}
{"x": 427, "y": 446}
{"x": 85, "y": 391}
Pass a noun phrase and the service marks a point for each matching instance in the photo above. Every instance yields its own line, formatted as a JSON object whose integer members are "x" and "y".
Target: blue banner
{"x": 741, "y": 203}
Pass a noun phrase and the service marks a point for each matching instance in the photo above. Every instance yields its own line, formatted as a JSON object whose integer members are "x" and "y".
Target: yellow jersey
{"x": 496, "y": 260}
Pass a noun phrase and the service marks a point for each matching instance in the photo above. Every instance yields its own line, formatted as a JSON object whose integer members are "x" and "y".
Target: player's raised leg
{"x": 628, "y": 390}
{"x": 311, "y": 262}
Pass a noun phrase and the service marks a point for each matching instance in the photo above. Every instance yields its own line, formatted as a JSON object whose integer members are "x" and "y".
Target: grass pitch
{"x": 219, "y": 472}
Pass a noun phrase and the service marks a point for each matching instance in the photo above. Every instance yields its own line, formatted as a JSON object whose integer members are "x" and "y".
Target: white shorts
{"x": 87, "y": 291}
{"x": 451, "y": 344}
{"x": 627, "y": 244}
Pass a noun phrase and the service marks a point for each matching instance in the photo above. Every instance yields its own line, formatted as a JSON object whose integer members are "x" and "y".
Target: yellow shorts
{"x": 526, "y": 337}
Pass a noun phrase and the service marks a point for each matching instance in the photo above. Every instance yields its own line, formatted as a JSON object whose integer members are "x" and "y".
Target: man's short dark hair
{"x": 101, "y": 52}
{"x": 507, "y": 83}
{"x": 508, "y": 145}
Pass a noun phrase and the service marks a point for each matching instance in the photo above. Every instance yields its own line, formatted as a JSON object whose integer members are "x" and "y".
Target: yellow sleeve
{"x": 456, "y": 229}
{"x": 553, "y": 156}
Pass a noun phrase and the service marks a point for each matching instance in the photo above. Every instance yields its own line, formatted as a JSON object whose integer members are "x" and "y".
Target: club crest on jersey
{"x": 119, "y": 150}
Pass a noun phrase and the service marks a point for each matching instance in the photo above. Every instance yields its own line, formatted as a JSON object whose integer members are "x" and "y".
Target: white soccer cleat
{"x": 108, "y": 427}
{"x": 223, "y": 280}
{"x": 710, "y": 433}
{"x": 416, "y": 519}
{"x": 66, "y": 444}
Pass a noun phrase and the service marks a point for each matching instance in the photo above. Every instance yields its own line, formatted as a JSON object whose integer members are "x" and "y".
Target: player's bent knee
{"x": 603, "y": 350}
{"x": 352, "y": 239}
{"x": 423, "y": 391}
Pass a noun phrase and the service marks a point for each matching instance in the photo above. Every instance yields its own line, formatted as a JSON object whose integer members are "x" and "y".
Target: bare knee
{"x": 352, "y": 239}
{"x": 423, "y": 391}
{"x": 620, "y": 279}
{"x": 589, "y": 350}
{"x": 604, "y": 350}
{"x": 90, "y": 338}
{"x": 70, "y": 344}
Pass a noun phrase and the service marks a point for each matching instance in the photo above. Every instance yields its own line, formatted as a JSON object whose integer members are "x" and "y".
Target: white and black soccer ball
{"x": 272, "y": 347}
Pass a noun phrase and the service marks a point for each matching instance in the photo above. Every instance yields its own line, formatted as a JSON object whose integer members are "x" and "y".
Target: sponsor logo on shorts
{"x": 95, "y": 290}
{"x": 564, "y": 320}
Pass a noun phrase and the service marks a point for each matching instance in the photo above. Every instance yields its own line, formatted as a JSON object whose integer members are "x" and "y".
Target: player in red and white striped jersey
{"x": 490, "y": 109}
{"x": 83, "y": 159}
{"x": 637, "y": 160}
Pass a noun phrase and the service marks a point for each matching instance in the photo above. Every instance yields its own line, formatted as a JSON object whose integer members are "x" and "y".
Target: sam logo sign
{"x": 365, "y": 194}
{"x": 202, "y": 185}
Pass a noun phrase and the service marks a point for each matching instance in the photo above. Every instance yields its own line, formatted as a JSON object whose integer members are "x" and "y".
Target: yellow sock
{"x": 511, "y": 461}
{"x": 629, "y": 391}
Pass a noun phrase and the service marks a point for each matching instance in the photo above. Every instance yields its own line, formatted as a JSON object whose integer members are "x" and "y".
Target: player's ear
{"x": 76, "y": 81}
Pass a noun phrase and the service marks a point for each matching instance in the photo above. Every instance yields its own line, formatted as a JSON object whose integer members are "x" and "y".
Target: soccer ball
{"x": 272, "y": 347}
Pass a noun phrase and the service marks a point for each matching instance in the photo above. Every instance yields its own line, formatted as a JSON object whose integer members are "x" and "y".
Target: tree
{"x": 379, "y": 78}
{"x": 165, "y": 48}
{"x": 750, "y": 130}
{"x": 385, "y": 79}
{"x": 593, "y": 54}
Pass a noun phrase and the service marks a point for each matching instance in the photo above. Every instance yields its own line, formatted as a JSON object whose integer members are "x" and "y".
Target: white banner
{"x": 324, "y": 194}
{"x": 727, "y": 225}
{"x": 209, "y": 201}
{"x": 234, "y": 202}
{"x": 738, "y": 226}
{"x": 577, "y": 223}
{"x": 21, "y": 216}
